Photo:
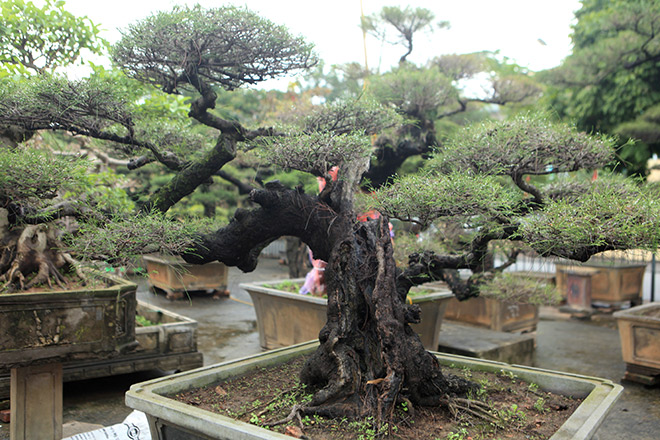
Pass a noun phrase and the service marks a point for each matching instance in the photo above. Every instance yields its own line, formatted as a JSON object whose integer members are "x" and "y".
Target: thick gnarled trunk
{"x": 370, "y": 359}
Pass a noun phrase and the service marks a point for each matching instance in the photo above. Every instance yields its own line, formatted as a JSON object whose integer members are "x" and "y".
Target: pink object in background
{"x": 315, "y": 279}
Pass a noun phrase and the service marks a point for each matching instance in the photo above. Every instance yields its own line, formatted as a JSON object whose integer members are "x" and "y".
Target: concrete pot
{"x": 611, "y": 284}
{"x": 40, "y": 331}
{"x": 62, "y": 326}
{"x": 172, "y": 419}
{"x": 494, "y": 314}
{"x": 285, "y": 318}
{"x": 170, "y": 344}
{"x": 171, "y": 333}
{"x": 176, "y": 277}
{"x": 639, "y": 328}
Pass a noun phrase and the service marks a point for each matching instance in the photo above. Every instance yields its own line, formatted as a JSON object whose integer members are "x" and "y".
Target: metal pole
{"x": 364, "y": 39}
{"x": 653, "y": 277}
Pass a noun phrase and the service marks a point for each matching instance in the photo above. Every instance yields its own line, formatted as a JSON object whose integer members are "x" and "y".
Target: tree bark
{"x": 370, "y": 359}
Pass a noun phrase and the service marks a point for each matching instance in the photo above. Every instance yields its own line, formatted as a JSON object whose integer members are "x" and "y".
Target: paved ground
{"x": 227, "y": 330}
{"x": 594, "y": 349}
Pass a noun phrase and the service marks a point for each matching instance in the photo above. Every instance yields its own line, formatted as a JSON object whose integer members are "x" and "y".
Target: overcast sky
{"x": 533, "y": 33}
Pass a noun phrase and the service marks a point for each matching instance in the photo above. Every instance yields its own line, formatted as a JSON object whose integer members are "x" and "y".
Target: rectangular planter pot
{"x": 285, "y": 318}
{"x": 494, "y": 314}
{"x": 171, "y": 344}
{"x": 63, "y": 326}
{"x": 639, "y": 328}
{"x": 172, "y": 333}
{"x": 175, "y": 276}
{"x": 610, "y": 284}
{"x": 170, "y": 419}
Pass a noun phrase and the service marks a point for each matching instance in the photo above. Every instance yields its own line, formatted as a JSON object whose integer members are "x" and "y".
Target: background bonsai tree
{"x": 133, "y": 119}
{"x": 369, "y": 359}
{"x": 436, "y": 97}
{"x": 34, "y": 42}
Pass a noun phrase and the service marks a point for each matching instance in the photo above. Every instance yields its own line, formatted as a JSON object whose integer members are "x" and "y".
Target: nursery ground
{"x": 227, "y": 330}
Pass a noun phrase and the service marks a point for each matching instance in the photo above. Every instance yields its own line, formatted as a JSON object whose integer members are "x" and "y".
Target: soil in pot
{"x": 504, "y": 407}
{"x": 70, "y": 282}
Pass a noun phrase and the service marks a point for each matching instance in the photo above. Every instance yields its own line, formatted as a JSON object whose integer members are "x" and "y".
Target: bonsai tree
{"x": 430, "y": 97}
{"x": 35, "y": 42}
{"x": 369, "y": 360}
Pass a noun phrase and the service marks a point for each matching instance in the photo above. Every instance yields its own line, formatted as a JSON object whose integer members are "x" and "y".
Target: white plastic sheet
{"x": 134, "y": 427}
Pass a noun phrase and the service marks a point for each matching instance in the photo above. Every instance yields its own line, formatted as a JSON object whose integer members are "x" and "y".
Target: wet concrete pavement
{"x": 594, "y": 349}
{"x": 227, "y": 330}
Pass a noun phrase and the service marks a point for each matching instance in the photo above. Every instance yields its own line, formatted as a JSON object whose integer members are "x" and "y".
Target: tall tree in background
{"x": 407, "y": 23}
{"x": 611, "y": 81}
{"x": 432, "y": 97}
{"x": 433, "y": 103}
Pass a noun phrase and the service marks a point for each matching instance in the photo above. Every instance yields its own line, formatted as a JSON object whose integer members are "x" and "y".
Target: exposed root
{"x": 76, "y": 267}
{"x": 295, "y": 413}
{"x": 32, "y": 254}
{"x": 457, "y": 406}
{"x": 475, "y": 408}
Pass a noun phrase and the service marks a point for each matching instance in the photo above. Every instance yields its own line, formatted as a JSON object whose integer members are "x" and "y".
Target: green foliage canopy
{"x": 225, "y": 46}
{"x": 611, "y": 212}
{"x": 53, "y": 102}
{"x": 574, "y": 220}
{"x": 39, "y": 40}
{"x": 524, "y": 144}
{"x": 38, "y": 176}
{"x": 611, "y": 79}
{"x": 335, "y": 135}
{"x": 418, "y": 92}
{"x": 424, "y": 197}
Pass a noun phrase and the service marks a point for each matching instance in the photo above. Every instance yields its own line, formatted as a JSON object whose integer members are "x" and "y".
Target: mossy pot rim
{"x": 116, "y": 285}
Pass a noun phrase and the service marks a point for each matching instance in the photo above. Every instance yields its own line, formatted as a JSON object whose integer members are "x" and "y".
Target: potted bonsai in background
{"x": 163, "y": 340}
{"x": 612, "y": 282}
{"x": 369, "y": 360}
{"x": 498, "y": 307}
{"x": 287, "y": 317}
{"x": 52, "y": 310}
{"x": 505, "y": 309}
{"x": 639, "y": 328}
{"x": 177, "y": 278}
